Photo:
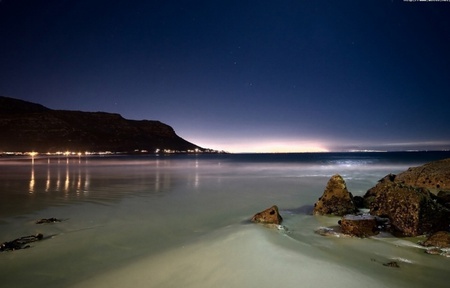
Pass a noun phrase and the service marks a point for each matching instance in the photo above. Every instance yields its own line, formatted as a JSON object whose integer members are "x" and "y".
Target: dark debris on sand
{"x": 20, "y": 243}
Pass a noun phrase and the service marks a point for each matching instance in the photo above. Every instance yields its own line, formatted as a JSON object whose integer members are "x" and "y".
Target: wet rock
{"x": 437, "y": 251}
{"x": 439, "y": 239}
{"x": 433, "y": 176}
{"x": 20, "y": 243}
{"x": 268, "y": 216}
{"x": 372, "y": 193}
{"x": 359, "y": 202}
{"x": 443, "y": 198}
{"x": 336, "y": 200}
{"x": 47, "y": 220}
{"x": 393, "y": 264}
{"x": 359, "y": 225}
{"x": 411, "y": 210}
{"x": 433, "y": 251}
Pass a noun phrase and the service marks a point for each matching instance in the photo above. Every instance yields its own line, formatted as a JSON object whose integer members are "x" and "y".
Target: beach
{"x": 171, "y": 221}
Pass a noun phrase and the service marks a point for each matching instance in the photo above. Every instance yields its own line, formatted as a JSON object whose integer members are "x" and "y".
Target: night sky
{"x": 241, "y": 76}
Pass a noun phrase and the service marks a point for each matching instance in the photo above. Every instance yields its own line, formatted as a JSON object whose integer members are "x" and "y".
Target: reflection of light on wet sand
{"x": 74, "y": 176}
{"x": 47, "y": 183}
{"x": 67, "y": 182}
{"x": 242, "y": 258}
{"x": 58, "y": 180}
{"x": 157, "y": 181}
{"x": 59, "y": 177}
{"x": 197, "y": 179}
{"x": 32, "y": 180}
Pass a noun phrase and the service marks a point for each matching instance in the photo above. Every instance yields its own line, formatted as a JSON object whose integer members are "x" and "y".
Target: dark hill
{"x": 26, "y": 126}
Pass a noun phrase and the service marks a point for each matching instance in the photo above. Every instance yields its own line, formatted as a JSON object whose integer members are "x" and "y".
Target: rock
{"x": 20, "y": 243}
{"x": 372, "y": 193}
{"x": 434, "y": 251}
{"x": 411, "y": 210}
{"x": 359, "y": 202}
{"x": 439, "y": 239}
{"x": 336, "y": 200}
{"x": 391, "y": 264}
{"x": 433, "y": 176}
{"x": 47, "y": 220}
{"x": 359, "y": 225}
{"x": 268, "y": 216}
{"x": 443, "y": 198}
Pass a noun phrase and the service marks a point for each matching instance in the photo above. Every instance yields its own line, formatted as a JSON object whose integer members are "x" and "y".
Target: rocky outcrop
{"x": 269, "y": 216}
{"x": 26, "y": 127}
{"x": 359, "y": 225}
{"x": 411, "y": 210}
{"x": 336, "y": 200}
{"x": 434, "y": 176}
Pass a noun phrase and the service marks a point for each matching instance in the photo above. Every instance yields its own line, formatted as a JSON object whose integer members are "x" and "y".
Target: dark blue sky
{"x": 241, "y": 75}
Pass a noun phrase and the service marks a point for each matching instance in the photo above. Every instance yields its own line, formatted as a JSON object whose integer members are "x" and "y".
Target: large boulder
{"x": 359, "y": 225}
{"x": 268, "y": 216}
{"x": 434, "y": 176}
{"x": 370, "y": 195}
{"x": 336, "y": 200}
{"x": 411, "y": 210}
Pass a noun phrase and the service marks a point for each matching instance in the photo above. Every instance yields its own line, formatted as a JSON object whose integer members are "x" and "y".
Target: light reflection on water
{"x": 34, "y": 184}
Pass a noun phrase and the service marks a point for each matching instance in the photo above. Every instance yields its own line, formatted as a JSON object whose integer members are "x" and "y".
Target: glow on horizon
{"x": 268, "y": 146}
{"x": 243, "y": 145}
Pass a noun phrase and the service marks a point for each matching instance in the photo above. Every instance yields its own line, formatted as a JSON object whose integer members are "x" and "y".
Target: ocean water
{"x": 183, "y": 221}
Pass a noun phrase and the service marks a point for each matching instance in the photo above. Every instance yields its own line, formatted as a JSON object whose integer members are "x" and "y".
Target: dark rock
{"x": 20, "y": 243}
{"x": 411, "y": 210}
{"x": 47, "y": 220}
{"x": 336, "y": 200}
{"x": 439, "y": 239}
{"x": 359, "y": 225}
{"x": 383, "y": 224}
{"x": 433, "y": 176}
{"x": 359, "y": 202}
{"x": 391, "y": 264}
{"x": 443, "y": 198}
{"x": 268, "y": 216}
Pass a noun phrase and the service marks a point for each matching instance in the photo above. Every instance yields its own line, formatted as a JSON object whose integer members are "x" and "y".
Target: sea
{"x": 183, "y": 221}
